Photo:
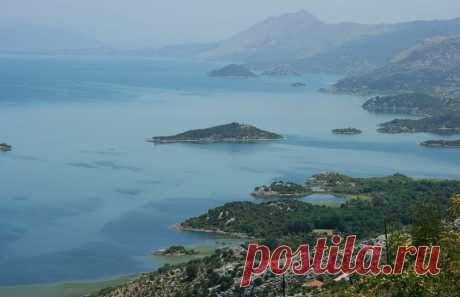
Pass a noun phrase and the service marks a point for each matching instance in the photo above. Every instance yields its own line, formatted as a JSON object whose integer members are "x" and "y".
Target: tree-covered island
{"x": 347, "y": 131}
{"x": 233, "y": 133}
{"x": 281, "y": 189}
{"x": 441, "y": 143}
{"x": 444, "y": 124}
{"x": 408, "y": 103}
{"x": 323, "y": 183}
{"x": 5, "y": 147}
{"x": 175, "y": 251}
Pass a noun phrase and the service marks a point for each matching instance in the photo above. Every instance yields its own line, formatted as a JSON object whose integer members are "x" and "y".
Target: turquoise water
{"x": 83, "y": 197}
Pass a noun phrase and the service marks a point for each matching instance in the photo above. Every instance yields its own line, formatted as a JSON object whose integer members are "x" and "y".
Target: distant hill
{"x": 430, "y": 67}
{"x": 25, "y": 38}
{"x": 444, "y": 124}
{"x": 286, "y": 38}
{"x": 310, "y": 45}
{"x": 281, "y": 70}
{"x": 367, "y": 52}
{"x": 410, "y": 103}
{"x": 232, "y": 70}
{"x": 186, "y": 51}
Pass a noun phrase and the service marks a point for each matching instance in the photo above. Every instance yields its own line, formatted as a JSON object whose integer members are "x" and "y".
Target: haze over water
{"x": 85, "y": 197}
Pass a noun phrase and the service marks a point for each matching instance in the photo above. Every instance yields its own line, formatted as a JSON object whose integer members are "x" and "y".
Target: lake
{"x": 84, "y": 197}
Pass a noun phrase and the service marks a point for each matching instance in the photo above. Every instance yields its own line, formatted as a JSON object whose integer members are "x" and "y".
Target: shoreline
{"x": 76, "y": 288}
{"x": 207, "y": 141}
{"x": 80, "y": 288}
{"x": 179, "y": 227}
{"x": 274, "y": 195}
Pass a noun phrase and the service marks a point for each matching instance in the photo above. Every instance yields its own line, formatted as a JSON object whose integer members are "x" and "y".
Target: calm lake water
{"x": 83, "y": 197}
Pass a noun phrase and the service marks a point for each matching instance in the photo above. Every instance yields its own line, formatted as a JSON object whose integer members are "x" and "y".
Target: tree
{"x": 427, "y": 225}
{"x": 191, "y": 271}
{"x": 454, "y": 211}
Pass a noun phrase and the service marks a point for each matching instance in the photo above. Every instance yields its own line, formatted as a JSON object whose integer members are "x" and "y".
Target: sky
{"x": 155, "y": 23}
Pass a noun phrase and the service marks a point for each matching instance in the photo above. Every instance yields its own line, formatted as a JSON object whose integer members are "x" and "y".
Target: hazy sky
{"x": 139, "y": 23}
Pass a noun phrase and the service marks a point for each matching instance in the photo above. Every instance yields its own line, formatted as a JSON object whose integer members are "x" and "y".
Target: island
{"x": 281, "y": 70}
{"x": 281, "y": 189}
{"x": 232, "y": 70}
{"x": 441, "y": 143}
{"x": 407, "y": 103}
{"x": 299, "y": 84}
{"x": 175, "y": 251}
{"x": 347, "y": 131}
{"x": 229, "y": 133}
{"x": 5, "y": 147}
{"x": 444, "y": 124}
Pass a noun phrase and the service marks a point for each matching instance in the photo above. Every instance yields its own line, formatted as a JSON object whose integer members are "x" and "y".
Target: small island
{"x": 281, "y": 189}
{"x": 281, "y": 70}
{"x": 5, "y": 147}
{"x": 229, "y": 133}
{"x": 175, "y": 251}
{"x": 347, "y": 131}
{"x": 299, "y": 84}
{"x": 232, "y": 70}
{"x": 441, "y": 143}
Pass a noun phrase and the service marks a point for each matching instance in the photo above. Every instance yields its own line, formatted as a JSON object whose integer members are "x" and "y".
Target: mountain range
{"x": 286, "y": 38}
{"x": 310, "y": 45}
{"x": 297, "y": 39}
{"x": 431, "y": 67}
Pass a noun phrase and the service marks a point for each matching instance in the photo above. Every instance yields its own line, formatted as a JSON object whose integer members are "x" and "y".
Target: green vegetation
{"x": 427, "y": 82}
{"x": 445, "y": 124}
{"x": 408, "y": 103}
{"x": 176, "y": 250}
{"x": 418, "y": 211}
{"x": 281, "y": 189}
{"x": 232, "y": 70}
{"x": 347, "y": 131}
{"x": 427, "y": 229}
{"x": 441, "y": 143}
{"x": 391, "y": 198}
{"x": 203, "y": 277}
{"x": 233, "y": 132}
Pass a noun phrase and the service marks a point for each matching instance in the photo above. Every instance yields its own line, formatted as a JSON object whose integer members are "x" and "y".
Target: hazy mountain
{"x": 176, "y": 51}
{"x": 367, "y": 52}
{"x": 33, "y": 38}
{"x": 171, "y": 51}
{"x": 432, "y": 66}
{"x": 286, "y": 38}
{"x": 310, "y": 45}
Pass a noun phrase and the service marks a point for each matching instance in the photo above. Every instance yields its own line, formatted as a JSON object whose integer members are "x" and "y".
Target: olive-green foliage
{"x": 392, "y": 199}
